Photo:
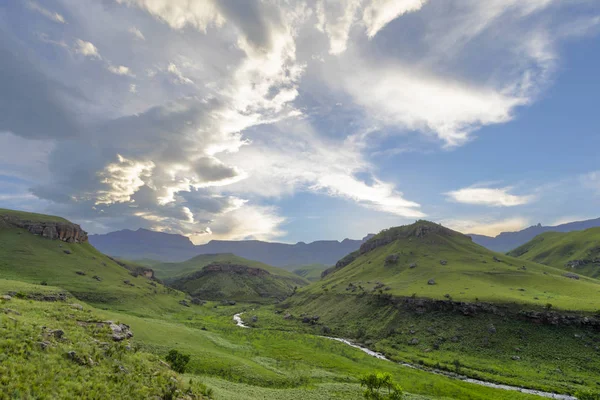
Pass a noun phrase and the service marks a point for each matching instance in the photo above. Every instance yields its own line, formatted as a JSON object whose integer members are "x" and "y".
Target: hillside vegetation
{"x": 228, "y": 277}
{"x": 310, "y": 272}
{"x": 78, "y": 268}
{"x": 578, "y": 252}
{"x": 427, "y": 260}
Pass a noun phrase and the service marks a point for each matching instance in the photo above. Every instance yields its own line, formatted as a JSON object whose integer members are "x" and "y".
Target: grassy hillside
{"x": 578, "y": 251}
{"x": 228, "y": 277}
{"x": 80, "y": 269}
{"x": 310, "y": 272}
{"x": 408, "y": 257}
{"x": 62, "y": 350}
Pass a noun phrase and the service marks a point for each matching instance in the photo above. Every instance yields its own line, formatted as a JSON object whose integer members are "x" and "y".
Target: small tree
{"x": 178, "y": 360}
{"x": 380, "y": 386}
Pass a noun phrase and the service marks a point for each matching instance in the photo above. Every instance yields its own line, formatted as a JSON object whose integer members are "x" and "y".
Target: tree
{"x": 380, "y": 386}
{"x": 178, "y": 360}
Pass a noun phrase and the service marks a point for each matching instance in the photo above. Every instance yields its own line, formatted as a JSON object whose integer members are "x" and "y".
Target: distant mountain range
{"x": 147, "y": 244}
{"x": 507, "y": 241}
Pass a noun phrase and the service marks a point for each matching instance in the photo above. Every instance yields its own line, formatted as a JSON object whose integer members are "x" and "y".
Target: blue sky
{"x": 300, "y": 120}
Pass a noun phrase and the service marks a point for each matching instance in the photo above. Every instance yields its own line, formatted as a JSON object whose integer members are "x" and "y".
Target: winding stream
{"x": 239, "y": 322}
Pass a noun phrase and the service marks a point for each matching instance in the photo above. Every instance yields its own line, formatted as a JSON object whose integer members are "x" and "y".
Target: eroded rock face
{"x": 65, "y": 231}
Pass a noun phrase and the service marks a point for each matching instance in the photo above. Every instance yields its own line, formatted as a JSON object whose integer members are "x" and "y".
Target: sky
{"x": 303, "y": 120}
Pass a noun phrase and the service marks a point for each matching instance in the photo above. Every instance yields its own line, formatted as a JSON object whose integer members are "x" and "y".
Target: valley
{"x": 254, "y": 331}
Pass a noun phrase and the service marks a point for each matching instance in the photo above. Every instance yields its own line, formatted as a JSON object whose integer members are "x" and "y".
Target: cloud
{"x": 87, "y": 49}
{"x": 132, "y": 88}
{"x": 591, "y": 181}
{"x": 54, "y": 16}
{"x": 120, "y": 70}
{"x": 178, "y": 76}
{"x": 381, "y": 12}
{"x": 335, "y": 18}
{"x": 486, "y": 226}
{"x": 136, "y": 33}
{"x": 122, "y": 178}
{"x": 498, "y": 197}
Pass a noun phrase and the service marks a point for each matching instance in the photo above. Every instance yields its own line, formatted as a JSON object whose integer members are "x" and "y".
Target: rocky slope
{"x": 53, "y": 230}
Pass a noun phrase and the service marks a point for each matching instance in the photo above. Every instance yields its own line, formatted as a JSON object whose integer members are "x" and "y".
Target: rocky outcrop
{"x": 65, "y": 231}
{"x": 233, "y": 268}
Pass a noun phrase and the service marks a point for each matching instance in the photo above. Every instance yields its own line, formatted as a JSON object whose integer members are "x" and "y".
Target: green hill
{"x": 310, "y": 272}
{"x": 578, "y": 251}
{"x": 427, "y": 260}
{"x": 76, "y": 267}
{"x": 229, "y": 277}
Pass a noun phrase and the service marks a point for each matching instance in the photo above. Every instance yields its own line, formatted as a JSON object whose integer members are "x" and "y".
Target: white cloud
{"x": 178, "y": 76}
{"x": 123, "y": 179}
{"x": 499, "y": 197}
{"x": 120, "y": 70}
{"x": 132, "y": 88}
{"x": 136, "y": 33}
{"x": 381, "y": 12}
{"x": 87, "y": 49}
{"x": 54, "y": 16}
{"x": 486, "y": 226}
{"x": 336, "y": 18}
{"x": 413, "y": 100}
{"x": 180, "y": 13}
{"x": 591, "y": 181}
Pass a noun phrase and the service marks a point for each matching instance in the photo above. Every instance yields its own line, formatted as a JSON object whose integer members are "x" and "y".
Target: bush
{"x": 380, "y": 386}
{"x": 587, "y": 395}
{"x": 178, "y": 361}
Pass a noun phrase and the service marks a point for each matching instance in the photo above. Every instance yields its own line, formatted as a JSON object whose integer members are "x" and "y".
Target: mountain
{"x": 311, "y": 272}
{"x": 229, "y": 277}
{"x": 146, "y": 244}
{"x": 47, "y": 250}
{"x": 577, "y": 251}
{"x": 428, "y": 260}
{"x": 507, "y": 241}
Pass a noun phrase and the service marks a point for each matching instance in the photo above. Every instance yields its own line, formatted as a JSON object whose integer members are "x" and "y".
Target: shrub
{"x": 44, "y": 283}
{"x": 380, "y": 386}
{"x": 587, "y": 395}
{"x": 178, "y": 361}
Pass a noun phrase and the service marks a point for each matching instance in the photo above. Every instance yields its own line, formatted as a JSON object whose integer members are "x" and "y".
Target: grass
{"x": 278, "y": 359}
{"x": 191, "y": 277}
{"x": 34, "y": 259}
{"x": 551, "y": 358}
{"x": 35, "y": 363}
{"x": 557, "y": 249}
{"x": 472, "y": 273}
{"x": 33, "y": 217}
{"x": 310, "y": 272}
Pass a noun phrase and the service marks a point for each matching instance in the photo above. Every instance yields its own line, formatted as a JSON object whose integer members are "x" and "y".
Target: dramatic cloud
{"x": 178, "y": 76}
{"x": 489, "y": 197}
{"x": 87, "y": 49}
{"x": 123, "y": 178}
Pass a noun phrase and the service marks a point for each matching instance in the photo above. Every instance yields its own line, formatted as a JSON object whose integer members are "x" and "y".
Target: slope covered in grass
{"x": 578, "y": 251}
{"x": 228, "y": 277}
{"x": 426, "y": 260}
{"x": 79, "y": 268}
{"x": 310, "y": 272}
{"x": 52, "y": 350}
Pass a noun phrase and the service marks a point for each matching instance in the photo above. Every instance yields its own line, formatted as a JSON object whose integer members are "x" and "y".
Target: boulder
{"x": 431, "y": 282}
{"x": 287, "y": 316}
{"x": 96, "y": 277}
{"x": 492, "y": 329}
{"x": 413, "y": 341}
{"x": 571, "y": 275}
{"x": 67, "y": 251}
{"x": 413, "y": 265}
{"x": 184, "y": 303}
{"x": 516, "y": 358}
{"x": 443, "y": 262}
{"x": 5, "y": 297}
{"x": 80, "y": 272}
{"x": 119, "y": 331}
{"x": 391, "y": 259}
{"x": 254, "y": 318}
{"x": 76, "y": 306}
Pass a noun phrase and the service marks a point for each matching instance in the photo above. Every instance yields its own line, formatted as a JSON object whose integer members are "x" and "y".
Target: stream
{"x": 239, "y": 322}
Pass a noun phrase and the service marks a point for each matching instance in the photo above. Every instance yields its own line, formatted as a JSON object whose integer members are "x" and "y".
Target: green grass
{"x": 100, "y": 368}
{"x": 557, "y": 249}
{"x": 471, "y": 274}
{"x": 33, "y": 217}
{"x": 190, "y": 277}
{"x": 552, "y": 358}
{"x": 310, "y": 272}
{"x": 34, "y": 259}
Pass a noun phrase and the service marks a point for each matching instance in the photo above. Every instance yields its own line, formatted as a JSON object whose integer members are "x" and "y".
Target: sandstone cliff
{"x": 65, "y": 231}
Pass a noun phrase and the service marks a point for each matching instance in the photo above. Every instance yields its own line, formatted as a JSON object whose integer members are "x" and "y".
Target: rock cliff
{"x": 65, "y": 231}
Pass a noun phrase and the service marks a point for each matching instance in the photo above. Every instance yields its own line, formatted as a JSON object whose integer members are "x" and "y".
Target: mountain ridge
{"x": 167, "y": 247}
{"x": 506, "y": 241}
